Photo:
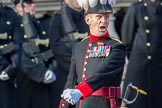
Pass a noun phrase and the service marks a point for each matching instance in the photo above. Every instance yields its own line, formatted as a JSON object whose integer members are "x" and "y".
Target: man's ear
{"x": 18, "y": 6}
{"x": 87, "y": 19}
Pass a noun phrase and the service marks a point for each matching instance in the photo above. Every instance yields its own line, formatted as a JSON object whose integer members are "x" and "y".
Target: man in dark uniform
{"x": 10, "y": 41}
{"x": 66, "y": 28}
{"x": 97, "y": 63}
{"x": 119, "y": 16}
{"x": 36, "y": 77}
{"x": 141, "y": 33}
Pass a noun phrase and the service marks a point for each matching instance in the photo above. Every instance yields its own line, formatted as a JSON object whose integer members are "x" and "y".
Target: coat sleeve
{"x": 34, "y": 71}
{"x": 71, "y": 82}
{"x": 4, "y": 63}
{"x": 129, "y": 28}
{"x": 109, "y": 72}
{"x": 13, "y": 67}
{"x": 72, "y": 76}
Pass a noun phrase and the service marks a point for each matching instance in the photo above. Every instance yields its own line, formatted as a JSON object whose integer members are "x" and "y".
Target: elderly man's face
{"x": 98, "y": 23}
{"x": 29, "y": 8}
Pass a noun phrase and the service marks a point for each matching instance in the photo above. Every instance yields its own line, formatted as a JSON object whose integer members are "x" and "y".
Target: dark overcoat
{"x": 10, "y": 40}
{"x": 31, "y": 92}
{"x": 90, "y": 70}
{"x": 141, "y": 33}
{"x": 61, "y": 25}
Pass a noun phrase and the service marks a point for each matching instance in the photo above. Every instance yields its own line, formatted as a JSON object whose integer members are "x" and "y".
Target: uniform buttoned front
{"x": 87, "y": 56}
{"x": 10, "y": 40}
{"x": 148, "y": 44}
{"x": 146, "y": 18}
{"x": 66, "y": 26}
{"x": 141, "y": 33}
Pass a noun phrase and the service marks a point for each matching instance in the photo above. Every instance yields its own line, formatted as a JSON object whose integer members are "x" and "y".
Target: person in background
{"x": 97, "y": 62}
{"x": 119, "y": 16}
{"x": 10, "y": 44}
{"x": 35, "y": 81}
{"x": 45, "y": 19}
{"x": 66, "y": 29}
{"x": 141, "y": 33}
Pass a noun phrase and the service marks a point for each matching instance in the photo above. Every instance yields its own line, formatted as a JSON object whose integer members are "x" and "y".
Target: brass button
{"x": 145, "y": 4}
{"x": 90, "y": 44}
{"x": 83, "y": 75}
{"x": 140, "y": 0}
{"x": 10, "y": 37}
{"x": 21, "y": 25}
{"x": 148, "y": 44}
{"x": 85, "y": 63}
{"x": 147, "y": 31}
{"x": 86, "y": 57}
{"x": 25, "y": 36}
{"x": 88, "y": 51}
{"x": 63, "y": 105}
{"x": 85, "y": 69}
{"x": 146, "y": 18}
{"x": 149, "y": 57}
{"x": 8, "y": 22}
{"x": 43, "y": 32}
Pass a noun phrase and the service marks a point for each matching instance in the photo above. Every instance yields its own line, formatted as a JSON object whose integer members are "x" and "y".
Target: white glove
{"x": 71, "y": 95}
{"x": 49, "y": 77}
{"x": 4, "y": 76}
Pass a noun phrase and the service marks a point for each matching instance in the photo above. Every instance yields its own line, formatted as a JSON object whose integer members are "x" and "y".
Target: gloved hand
{"x": 4, "y": 76}
{"x": 72, "y": 95}
{"x": 49, "y": 77}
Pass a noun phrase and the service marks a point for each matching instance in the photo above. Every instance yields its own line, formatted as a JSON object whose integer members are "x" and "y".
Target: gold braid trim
{"x": 113, "y": 38}
{"x": 84, "y": 38}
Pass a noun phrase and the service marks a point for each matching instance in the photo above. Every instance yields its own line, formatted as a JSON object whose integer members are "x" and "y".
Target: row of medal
{"x": 99, "y": 51}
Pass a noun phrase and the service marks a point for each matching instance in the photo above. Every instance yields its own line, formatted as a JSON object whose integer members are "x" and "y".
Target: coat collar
{"x": 94, "y": 38}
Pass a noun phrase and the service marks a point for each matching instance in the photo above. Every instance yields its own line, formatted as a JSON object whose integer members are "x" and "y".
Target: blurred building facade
{"x": 54, "y": 5}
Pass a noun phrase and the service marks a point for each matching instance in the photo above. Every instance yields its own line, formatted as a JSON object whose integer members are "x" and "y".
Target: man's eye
{"x": 98, "y": 17}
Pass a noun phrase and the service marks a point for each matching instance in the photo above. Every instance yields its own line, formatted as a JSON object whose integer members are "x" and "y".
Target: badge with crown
{"x": 96, "y": 6}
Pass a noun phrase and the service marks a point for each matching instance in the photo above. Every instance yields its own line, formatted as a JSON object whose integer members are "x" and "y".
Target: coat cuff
{"x": 85, "y": 89}
{"x": 62, "y": 103}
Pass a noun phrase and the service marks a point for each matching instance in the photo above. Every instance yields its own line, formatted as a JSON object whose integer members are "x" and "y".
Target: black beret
{"x": 26, "y": 1}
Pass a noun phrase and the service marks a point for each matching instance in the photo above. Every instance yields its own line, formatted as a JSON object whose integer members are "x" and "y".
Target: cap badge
{"x": 92, "y": 3}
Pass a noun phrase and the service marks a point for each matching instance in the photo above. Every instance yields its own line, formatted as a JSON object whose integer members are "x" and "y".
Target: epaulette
{"x": 113, "y": 38}
{"x": 84, "y": 38}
